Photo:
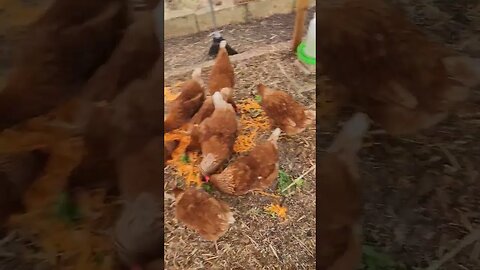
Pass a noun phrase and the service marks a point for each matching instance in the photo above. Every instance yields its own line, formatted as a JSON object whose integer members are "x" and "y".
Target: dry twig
{"x": 466, "y": 241}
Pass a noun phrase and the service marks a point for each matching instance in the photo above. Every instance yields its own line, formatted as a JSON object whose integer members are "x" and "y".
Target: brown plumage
{"x": 140, "y": 172}
{"x": 138, "y": 233}
{"x": 284, "y": 111}
{"x": 17, "y": 172}
{"x": 203, "y": 113}
{"x": 222, "y": 74}
{"x": 392, "y": 71}
{"x": 132, "y": 59}
{"x": 60, "y": 52}
{"x": 157, "y": 264}
{"x": 255, "y": 171}
{"x": 168, "y": 148}
{"x": 340, "y": 203}
{"x": 120, "y": 128}
{"x": 199, "y": 211}
{"x": 217, "y": 135}
{"x": 207, "y": 107}
{"x": 134, "y": 114}
{"x": 182, "y": 109}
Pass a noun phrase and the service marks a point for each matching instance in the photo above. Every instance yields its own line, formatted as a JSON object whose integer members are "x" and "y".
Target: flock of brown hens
{"x": 95, "y": 70}
{"x": 98, "y": 68}
{"x": 209, "y": 115}
{"x": 383, "y": 65}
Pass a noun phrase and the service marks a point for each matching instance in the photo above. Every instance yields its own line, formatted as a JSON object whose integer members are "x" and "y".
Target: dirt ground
{"x": 193, "y": 49}
{"x": 422, "y": 192}
{"x": 257, "y": 240}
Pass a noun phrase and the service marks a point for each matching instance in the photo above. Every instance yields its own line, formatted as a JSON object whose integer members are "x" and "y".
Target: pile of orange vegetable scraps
{"x": 68, "y": 237}
{"x": 252, "y": 121}
{"x": 72, "y": 245}
{"x": 185, "y": 164}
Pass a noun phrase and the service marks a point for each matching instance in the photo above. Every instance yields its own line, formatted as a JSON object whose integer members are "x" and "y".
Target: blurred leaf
{"x": 300, "y": 182}
{"x": 207, "y": 187}
{"x": 66, "y": 209}
{"x": 285, "y": 180}
{"x": 258, "y": 98}
{"x": 374, "y": 260}
{"x": 98, "y": 258}
{"x": 185, "y": 159}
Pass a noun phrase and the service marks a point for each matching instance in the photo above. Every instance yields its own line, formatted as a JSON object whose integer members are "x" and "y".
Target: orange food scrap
{"x": 252, "y": 121}
{"x": 188, "y": 170}
{"x": 277, "y": 210}
{"x": 169, "y": 95}
{"x": 78, "y": 244}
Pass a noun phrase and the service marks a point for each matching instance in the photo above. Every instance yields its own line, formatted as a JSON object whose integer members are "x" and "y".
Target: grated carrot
{"x": 250, "y": 124}
{"x": 253, "y": 121}
{"x": 277, "y": 210}
{"x": 189, "y": 171}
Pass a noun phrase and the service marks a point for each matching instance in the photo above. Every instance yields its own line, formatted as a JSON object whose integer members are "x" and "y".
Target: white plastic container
{"x": 310, "y": 47}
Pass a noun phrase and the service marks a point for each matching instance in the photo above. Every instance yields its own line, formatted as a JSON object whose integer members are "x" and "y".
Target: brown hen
{"x": 222, "y": 74}
{"x": 403, "y": 80}
{"x": 284, "y": 112}
{"x": 140, "y": 172}
{"x": 204, "y": 112}
{"x": 340, "y": 203}
{"x": 138, "y": 236}
{"x": 199, "y": 211}
{"x": 17, "y": 172}
{"x": 138, "y": 233}
{"x": 253, "y": 172}
{"x": 132, "y": 59}
{"x": 61, "y": 50}
{"x": 182, "y": 109}
{"x": 118, "y": 129}
{"x": 207, "y": 107}
{"x": 217, "y": 135}
{"x": 168, "y": 148}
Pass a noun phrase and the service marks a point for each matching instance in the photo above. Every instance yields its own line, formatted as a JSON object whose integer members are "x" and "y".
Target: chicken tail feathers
{"x": 197, "y": 75}
{"x": 275, "y": 135}
{"x": 262, "y": 89}
{"x": 351, "y": 136}
{"x": 223, "y": 44}
{"x": 219, "y": 102}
